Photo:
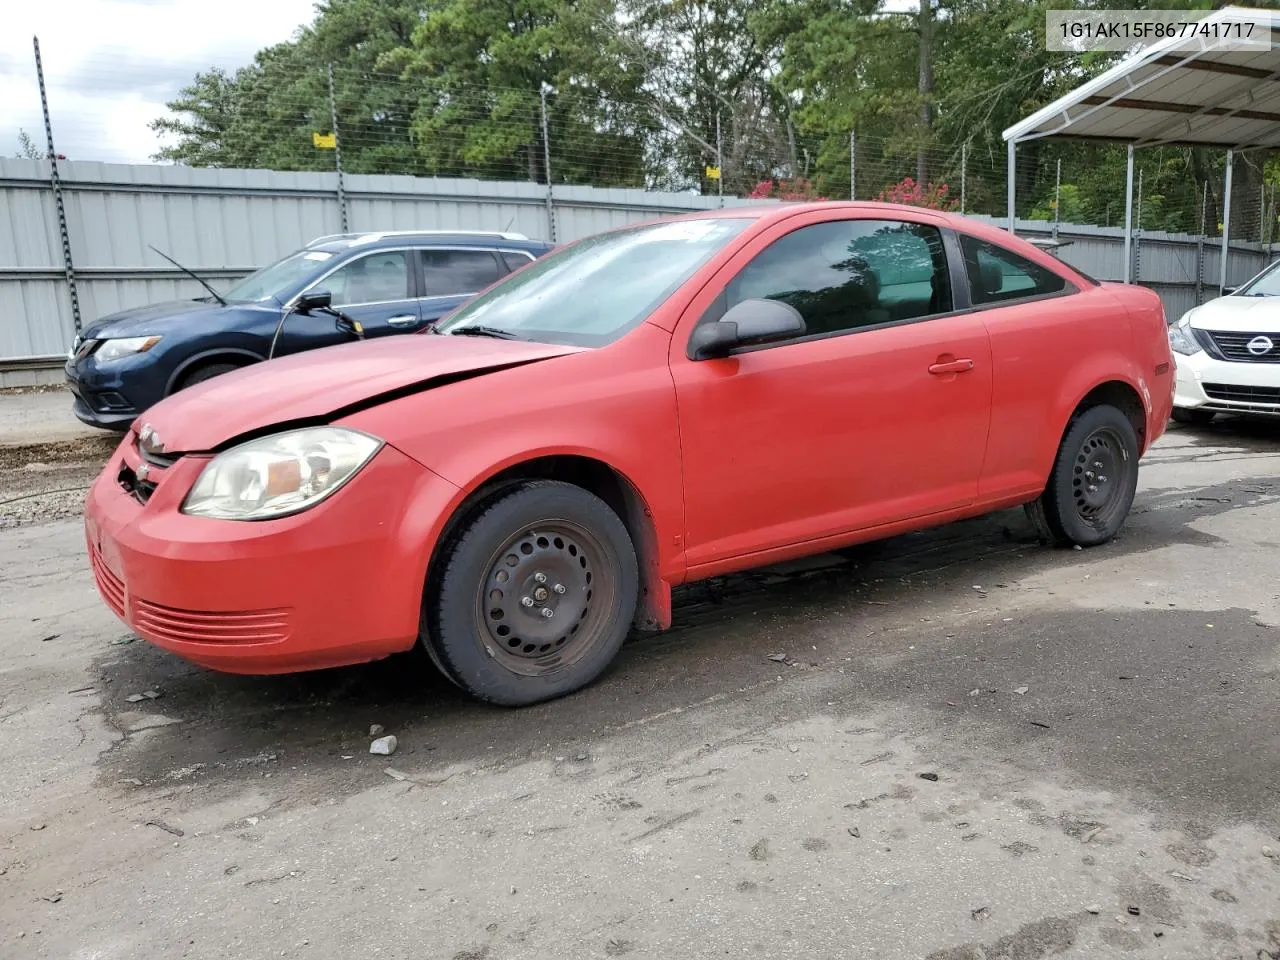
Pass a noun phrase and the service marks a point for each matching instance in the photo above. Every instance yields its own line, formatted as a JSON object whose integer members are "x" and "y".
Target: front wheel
{"x": 535, "y": 597}
{"x": 1094, "y": 478}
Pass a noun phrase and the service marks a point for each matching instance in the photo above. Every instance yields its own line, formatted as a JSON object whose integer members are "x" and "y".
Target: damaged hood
{"x": 322, "y": 385}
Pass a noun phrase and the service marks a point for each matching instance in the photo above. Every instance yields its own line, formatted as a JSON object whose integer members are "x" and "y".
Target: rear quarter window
{"x": 997, "y": 275}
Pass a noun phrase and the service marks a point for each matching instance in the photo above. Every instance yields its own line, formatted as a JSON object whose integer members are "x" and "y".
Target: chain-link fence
{"x": 357, "y": 121}
{"x": 348, "y": 122}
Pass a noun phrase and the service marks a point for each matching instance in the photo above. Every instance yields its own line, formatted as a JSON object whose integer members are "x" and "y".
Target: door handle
{"x": 951, "y": 366}
{"x": 403, "y": 320}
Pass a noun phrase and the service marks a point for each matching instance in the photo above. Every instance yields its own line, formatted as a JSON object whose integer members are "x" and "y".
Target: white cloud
{"x": 110, "y": 65}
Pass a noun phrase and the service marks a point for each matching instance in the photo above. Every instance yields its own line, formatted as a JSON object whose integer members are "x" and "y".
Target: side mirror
{"x": 744, "y": 324}
{"x": 313, "y": 300}
{"x": 1227, "y": 291}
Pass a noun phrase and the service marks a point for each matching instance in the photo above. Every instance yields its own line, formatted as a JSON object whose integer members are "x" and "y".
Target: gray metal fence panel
{"x": 225, "y": 223}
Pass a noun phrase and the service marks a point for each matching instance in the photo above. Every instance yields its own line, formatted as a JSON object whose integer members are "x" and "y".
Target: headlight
{"x": 279, "y": 475}
{"x": 124, "y": 347}
{"x": 1181, "y": 338}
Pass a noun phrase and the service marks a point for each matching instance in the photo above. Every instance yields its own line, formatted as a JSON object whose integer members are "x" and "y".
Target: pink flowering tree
{"x": 797, "y": 189}
{"x": 934, "y": 196}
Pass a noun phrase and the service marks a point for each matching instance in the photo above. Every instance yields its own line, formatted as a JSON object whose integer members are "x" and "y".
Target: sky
{"x": 110, "y": 65}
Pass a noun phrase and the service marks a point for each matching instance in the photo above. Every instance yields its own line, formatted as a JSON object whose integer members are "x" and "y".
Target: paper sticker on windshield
{"x": 688, "y": 231}
{"x": 316, "y": 255}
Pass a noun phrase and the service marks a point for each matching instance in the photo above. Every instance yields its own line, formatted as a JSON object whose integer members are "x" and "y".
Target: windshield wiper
{"x": 482, "y": 331}
{"x": 214, "y": 293}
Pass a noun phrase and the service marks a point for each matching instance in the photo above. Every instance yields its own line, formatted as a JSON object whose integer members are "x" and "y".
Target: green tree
{"x": 480, "y": 68}
{"x": 264, "y": 114}
{"x": 27, "y": 149}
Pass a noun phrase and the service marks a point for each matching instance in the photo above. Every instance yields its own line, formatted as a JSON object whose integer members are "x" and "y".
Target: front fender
{"x": 205, "y": 355}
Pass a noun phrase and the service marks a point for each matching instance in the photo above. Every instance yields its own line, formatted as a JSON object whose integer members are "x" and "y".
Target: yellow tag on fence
{"x": 325, "y": 141}
{"x": 713, "y": 173}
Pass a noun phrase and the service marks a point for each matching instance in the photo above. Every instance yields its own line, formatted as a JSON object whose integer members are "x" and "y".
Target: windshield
{"x": 1265, "y": 284}
{"x": 593, "y": 292}
{"x": 280, "y": 280}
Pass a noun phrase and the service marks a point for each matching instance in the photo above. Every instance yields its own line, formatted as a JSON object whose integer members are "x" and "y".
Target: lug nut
{"x": 526, "y": 601}
{"x": 547, "y": 612}
{"x": 558, "y": 588}
{"x": 540, "y": 577}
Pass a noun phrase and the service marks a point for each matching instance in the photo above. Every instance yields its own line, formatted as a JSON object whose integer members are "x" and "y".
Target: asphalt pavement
{"x": 957, "y": 745}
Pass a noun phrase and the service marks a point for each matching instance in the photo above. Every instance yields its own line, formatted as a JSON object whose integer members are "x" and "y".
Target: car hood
{"x": 1239, "y": 314}
{"x": 323, "y": 385}
{"x": 157, "y": 319}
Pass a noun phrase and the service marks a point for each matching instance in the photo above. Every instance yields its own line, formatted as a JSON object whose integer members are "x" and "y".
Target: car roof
{"x": 376, "y": 239}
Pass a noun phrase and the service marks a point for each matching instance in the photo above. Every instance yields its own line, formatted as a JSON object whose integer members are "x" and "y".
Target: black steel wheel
{"x": 1094, "y": 478}
{"x": 1196, "y": 418}
{"x": 536, "y": 595}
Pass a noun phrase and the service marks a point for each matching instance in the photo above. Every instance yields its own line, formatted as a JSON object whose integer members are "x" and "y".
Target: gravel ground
{"x": 956, "y": 745}
{"x": 42, "y": 482}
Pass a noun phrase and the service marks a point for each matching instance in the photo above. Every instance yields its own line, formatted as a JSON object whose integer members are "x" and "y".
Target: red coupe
{"x": 518, "y": 487}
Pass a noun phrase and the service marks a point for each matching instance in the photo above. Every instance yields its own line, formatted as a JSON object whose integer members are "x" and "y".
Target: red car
{"x": 640, "y": 409}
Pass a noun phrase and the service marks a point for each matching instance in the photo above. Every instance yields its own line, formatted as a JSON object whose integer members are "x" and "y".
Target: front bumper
{"x": 338, "y": 584}
{"x": 98, "y": 406}
{"x": 1227, "y": 386}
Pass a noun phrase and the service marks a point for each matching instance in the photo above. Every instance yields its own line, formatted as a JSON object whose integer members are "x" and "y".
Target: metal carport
{"x": 1175, "y": 93}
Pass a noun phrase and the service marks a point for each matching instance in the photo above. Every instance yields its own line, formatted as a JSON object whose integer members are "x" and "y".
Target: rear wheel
{"x": 206, "y": 372}
{"x": 1198, "y": 418}
{"x": 536, "y": 596}
{"x": 1094, "y": 478}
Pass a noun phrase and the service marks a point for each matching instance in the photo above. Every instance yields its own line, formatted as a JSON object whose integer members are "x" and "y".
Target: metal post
{"x": 719, "y": 161}
{"x": 1057, "y": 199}
{"x": 1271, "y": 222}
{"x": 337, "y": 152}
{"x": 546, "y": 160}
{"x": 1009, "y": 185}
{"x": 1128, "y": 218}
{"x": 1204, "y": 212}
{"x": 1137, "y": 236}
{"x": 1226, "y": 224}
{"x": 853, "y": 165}
{"x": 964, "y": 171}
{"x": 55, "y": 182}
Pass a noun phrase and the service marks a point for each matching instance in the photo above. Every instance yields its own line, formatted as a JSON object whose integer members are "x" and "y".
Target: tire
{"x": 1197, "y": 418}
{"x": 500, "y": 649}
{"x": 1083, "y": 503}
{"x": 206, "y": 372}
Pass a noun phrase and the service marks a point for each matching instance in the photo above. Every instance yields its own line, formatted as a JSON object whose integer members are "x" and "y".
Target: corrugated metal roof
{"x": 1171, "y": 93}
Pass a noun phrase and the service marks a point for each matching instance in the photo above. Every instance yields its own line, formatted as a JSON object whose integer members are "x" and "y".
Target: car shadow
{"x": 222, "y": 731}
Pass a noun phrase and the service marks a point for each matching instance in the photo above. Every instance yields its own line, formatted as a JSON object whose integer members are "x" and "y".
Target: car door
{"x": 878, "y": 413}
{"x": 377, "y": 288}
{"x": 453, "y": 275}
{"x": 1039, "y": 332}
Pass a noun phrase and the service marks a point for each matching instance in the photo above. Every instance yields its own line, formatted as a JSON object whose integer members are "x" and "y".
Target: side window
{"x": 447, "y": 273}
{"x": 996, "y": 274}
{"x": 515, "y": 261}
{"x": 848, "y": 274}
{"x": 374, "y": 278}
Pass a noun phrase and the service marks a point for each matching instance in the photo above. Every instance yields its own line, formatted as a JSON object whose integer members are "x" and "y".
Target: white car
{"x": 1228, "y": 353}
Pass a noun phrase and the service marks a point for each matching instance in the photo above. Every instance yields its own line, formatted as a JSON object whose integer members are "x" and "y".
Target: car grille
{"x": 1226, "y": 345}
{"x": 109, "y": 584}
{"x": 1239, "y": 394}
{"x": 191, "y": 626}
{"x": 140, "y": 490}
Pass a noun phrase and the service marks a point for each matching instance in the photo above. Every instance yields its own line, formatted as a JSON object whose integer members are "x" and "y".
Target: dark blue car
{"x": 389, "y": 282}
